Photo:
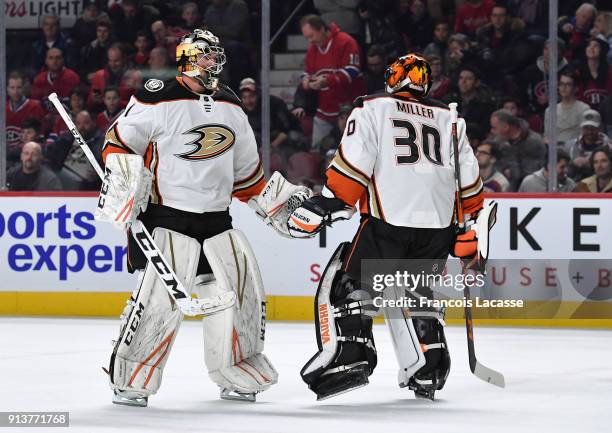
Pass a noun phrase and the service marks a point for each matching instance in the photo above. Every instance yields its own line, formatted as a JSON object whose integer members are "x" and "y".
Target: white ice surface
{"x": 557, "y": 381}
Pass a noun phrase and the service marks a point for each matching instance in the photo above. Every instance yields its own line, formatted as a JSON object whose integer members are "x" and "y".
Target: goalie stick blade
{"x": 206, "y": 306}
{"x": 489, "y": 375}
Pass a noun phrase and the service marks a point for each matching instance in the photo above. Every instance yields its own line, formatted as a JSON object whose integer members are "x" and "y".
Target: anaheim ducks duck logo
{"x": 212, "y": 141}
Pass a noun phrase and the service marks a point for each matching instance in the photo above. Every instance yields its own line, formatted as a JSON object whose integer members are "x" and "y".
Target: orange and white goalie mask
{"x": 409, "y": 73}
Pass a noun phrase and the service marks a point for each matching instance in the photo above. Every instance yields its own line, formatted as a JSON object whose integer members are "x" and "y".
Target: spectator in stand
{"x": 159, "y": 67}
{"x": 190, "y": 16}
{"x": 475, "y": 100}
{"x": 602, "y": 27}
{"x": 577, "y": 30}
{"x": 68, "y": 160}
{"x": 471, "y": 15}
{"x": 534, "y": 13}
{"x": 440, "y": 82}
{"x": 30, "y": 131}
{"x": 601, "y": 181}
{"x": 113, "y": 108}
{"x": 460, "y": 53}
{"x": 525, "y": 152}
{"x": 344, "y": 13}
{"x": 285, "y": 131}
{"x": 18, "y": 109}
{"x": 229, "y": 21}
{"x": 374, "y": 75}
{"x": 166, "y": 37}
{"x": 538, "y": 180}
{"x": 31, "y": 175}
{"x": 535, "y": 80}
{"x": 56, "y": 78}
{"x": 420, "y": 27}
{"x": 591, "y": 138}
{"x": 439, "y": 46}
{"x": 129, "y": 19}
{"x": 84, "y": 30}
{"x": 332, "y": 140}
{"x": 332, "y": 69}
{"x": 143, "y": 50}
{"x": 52, "y": 38}
{"x": 378, "y": 28}
{"x": 487, "y": 154}
{"x": 503, "y": 49}
{"x": 595, "y": 75}
{"x": 93, "y": 56}
{"x": 116, "y": 74}
{"x": 513, "y": 105}
{"x": 569, "y": 109}
{"x": 76, "y": 104}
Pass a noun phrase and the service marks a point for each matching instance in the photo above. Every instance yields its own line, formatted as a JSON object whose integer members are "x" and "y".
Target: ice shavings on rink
{"x": 557, "y": 380}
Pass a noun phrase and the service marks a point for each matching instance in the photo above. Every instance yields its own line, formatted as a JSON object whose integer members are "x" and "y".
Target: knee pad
{"x": 234, "y": 338}
{"x": 419, "y": 343}
{"x": 343, "y": 323}
{"x": 151, "y": 319}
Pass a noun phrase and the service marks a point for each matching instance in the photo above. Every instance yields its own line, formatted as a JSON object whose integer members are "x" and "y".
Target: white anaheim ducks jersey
{"x": 200, "y": 149}
{"x": 396, "y": 158}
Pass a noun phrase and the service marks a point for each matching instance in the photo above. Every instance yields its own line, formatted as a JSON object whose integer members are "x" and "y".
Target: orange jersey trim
{"x": 345, "y": 188}
{"x": 472, "y": 205}
{"x": 245, "y": 194}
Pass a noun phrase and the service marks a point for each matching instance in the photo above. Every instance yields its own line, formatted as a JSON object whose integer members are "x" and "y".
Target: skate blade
{"x": 344, "y": 391}
{"x": 226, "y": 394}
{"x": 430, "y": 396}
{"x": 136, "y": 402}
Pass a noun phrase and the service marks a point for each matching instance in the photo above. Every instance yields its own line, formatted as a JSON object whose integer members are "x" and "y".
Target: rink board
{"x": 55, "y": 260}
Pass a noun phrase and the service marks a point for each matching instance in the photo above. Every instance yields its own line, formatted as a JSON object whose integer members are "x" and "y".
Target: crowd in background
{"x": 489, "y": 56}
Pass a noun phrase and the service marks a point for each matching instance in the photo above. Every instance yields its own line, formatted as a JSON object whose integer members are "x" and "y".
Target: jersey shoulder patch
{"x": 155, "y": 91}
{"x": 154, "y": 85}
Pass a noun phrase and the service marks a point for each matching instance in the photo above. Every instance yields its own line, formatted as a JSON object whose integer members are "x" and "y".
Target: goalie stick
{"x": 480, "y": 371}
{"x": 188, "y": 305}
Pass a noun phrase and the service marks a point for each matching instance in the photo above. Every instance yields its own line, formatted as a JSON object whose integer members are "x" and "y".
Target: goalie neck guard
{"x": 199, "y": 55}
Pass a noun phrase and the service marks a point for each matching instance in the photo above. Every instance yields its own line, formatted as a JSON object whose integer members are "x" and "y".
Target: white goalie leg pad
{"x": 234, "y": 338}
{"x": 409, "y": 351}
{"x": 410, "y": 356}
{"x": 152, "y": 319}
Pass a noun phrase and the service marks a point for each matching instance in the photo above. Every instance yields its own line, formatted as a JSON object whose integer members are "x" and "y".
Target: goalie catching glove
{"x": 125, "y": 191}
{"x": 472, "y": 246}
{"x": 277, "y": 201}
{"x": 308, "y": 219}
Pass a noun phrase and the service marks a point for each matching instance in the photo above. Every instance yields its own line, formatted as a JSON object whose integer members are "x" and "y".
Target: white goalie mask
{"x": 199, "y": 55}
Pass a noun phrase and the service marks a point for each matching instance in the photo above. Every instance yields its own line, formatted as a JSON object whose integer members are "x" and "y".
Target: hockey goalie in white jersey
{"x": 179, "y": 152}
{"x": 396, "y": 159}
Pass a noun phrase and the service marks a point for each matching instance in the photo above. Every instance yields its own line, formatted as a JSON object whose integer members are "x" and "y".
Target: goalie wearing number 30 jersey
{"x": 396, "y": 162}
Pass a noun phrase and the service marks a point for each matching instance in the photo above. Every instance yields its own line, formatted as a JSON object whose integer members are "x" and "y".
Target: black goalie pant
{"x": 199, "y": 226}
{"x": 378, "y": 240}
